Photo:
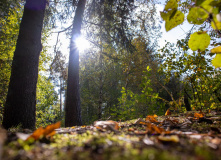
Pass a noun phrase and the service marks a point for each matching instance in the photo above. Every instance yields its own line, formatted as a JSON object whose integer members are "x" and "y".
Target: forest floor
{"x": 193, "y": 135}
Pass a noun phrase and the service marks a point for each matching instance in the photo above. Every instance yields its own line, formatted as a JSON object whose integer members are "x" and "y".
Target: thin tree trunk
{"x": 72, "y": 109}
{"x": 100, "y": 87}
{"x": 61, "y": 88}
{"x": 20, "y": 104}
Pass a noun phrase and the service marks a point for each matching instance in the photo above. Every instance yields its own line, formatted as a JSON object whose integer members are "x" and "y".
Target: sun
{"x": 82, "y": 44}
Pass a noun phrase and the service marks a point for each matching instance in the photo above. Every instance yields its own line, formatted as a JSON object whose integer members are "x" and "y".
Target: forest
{"x": 94, "y": 75}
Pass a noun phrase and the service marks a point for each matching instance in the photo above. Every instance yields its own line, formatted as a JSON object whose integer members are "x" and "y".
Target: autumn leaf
{"x": 153, "y": 129}
{"x": 44, "y": 132}
{"x": 151, "y": 118}
{"x": 198, "y": 115}
{"x": 108, "y": 125}
{"x": 51, "y": 128}
{"x": 173, "y": 138}
{"x": 168, "y": 113}
{"x": 140, "y": 121}
{"x": 216, "y": 50}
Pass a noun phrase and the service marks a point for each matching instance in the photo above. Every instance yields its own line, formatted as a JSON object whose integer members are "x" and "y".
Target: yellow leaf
{"x": 173, "y": 138}
{"x": 217, "y": 61}
{"x": 215, "y": 23}
{"x": 216, "y": 50}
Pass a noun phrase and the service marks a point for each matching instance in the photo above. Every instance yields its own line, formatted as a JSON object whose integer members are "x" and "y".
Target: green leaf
{"x": 173, "y": 14}
{"x": 215, "y": 23}
{"x": 173, "y": 18}
{"x": 206, "y": 5}
{"x": 199, "y": 40}
{"x": 197, "y": 16}
{"x": 172, "y": 4}
{"x": 217, "y": 61}
{"x": 164, "y": 15}
{"x": 198, "y": 2}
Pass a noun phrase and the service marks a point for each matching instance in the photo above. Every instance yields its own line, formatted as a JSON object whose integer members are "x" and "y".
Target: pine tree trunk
{"x": 187, "y": 103}
{"x": 20, "y": 104}
{"x": 72, "y": 109}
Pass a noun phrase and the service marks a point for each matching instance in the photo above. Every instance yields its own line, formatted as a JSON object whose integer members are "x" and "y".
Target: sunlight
{"x": 82, "y": 44}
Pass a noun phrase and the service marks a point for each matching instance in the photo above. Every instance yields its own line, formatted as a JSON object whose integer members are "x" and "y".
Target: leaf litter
{"x": 193, "y": 135}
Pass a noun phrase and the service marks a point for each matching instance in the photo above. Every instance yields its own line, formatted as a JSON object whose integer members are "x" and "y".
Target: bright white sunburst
{"x": 82, "y": 44}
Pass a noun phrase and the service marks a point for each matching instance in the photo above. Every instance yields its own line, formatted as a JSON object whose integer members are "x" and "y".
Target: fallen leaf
{"x": 216, "y": 141}
{"x": 44, "y": 132}
{"x": 50, "y": 128}
{"x": 140, "y": 121}
{"x": 173, "y": 138}
{"x": 108, "y": 125}
{"x": 151, "y": 118}
{"x": 147, "y": 141}
{"x": 153, "y": 129}
{"x": 131, "y": 129}
{"x": 198, "y": 115}
{"x": 168, "y": 112}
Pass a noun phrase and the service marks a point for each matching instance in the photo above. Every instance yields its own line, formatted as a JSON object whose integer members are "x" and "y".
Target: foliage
{"x": 9, "y": 33}
{"x": 8, "y": 36}
{"x": 200, "y": 11}
{"x": 132, "y": 105}
{"x": 200, "y": 81}
{"x": 124, "y": 36}
{"x": 47, "y": 110}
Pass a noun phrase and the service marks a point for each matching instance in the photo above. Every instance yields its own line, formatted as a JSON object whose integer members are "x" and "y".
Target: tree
{"x": 72, "y": 108}
{"x": 112, "y": 28}
{"x": 47, "y": 108}
{"x": 21, "y": 99}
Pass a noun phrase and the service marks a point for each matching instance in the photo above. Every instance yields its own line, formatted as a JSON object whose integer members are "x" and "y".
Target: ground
{"x": 193, "y": 135}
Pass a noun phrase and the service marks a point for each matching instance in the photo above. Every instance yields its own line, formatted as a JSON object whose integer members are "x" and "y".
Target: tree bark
{"x": 20, "y": 104}
{"x": 186, "y": 102}
{"x": 73, "y": 109}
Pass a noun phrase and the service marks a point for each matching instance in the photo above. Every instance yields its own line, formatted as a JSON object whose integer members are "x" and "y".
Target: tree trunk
{"x": 100, "y": 101}
{"x": 61, "y": 89}
{"x": 72, "y": 109}
{"x": 186, "y": 102}
{"x": 20, "y": 104}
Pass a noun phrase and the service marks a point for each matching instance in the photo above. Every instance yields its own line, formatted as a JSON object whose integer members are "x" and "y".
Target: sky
{"x": 176, "y": 33}
{"x": 170, "y": 36}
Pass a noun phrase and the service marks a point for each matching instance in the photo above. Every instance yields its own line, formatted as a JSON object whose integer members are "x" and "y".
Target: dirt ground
{"x": 193, "y": 135}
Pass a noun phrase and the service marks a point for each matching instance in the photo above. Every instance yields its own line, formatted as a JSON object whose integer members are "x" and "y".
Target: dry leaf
{"x": 153, "y": 129}
{"x": 50, "y": 128}
{"x": 151, "y": 118}
{"x": 140, "y": 121}
{"x": 44, "y": 132}
{"x": 173, "y": 138}
{"x": 108, "y": 125}
{"x": 131, "y": 129}
{"x": 198, "y": 115}
{"x": 168, "y": 112}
